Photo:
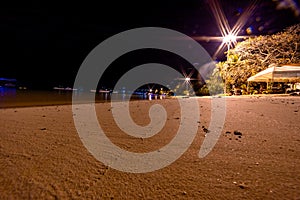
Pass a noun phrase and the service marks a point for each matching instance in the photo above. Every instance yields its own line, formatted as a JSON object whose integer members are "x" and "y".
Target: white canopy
{"x": 278, "y": 73}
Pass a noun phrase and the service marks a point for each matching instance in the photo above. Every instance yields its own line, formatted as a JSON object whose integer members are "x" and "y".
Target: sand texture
{"x": 42, "y": 156}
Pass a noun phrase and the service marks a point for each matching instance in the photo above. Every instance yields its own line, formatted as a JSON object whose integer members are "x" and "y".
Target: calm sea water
{"x": 11, "y": 97}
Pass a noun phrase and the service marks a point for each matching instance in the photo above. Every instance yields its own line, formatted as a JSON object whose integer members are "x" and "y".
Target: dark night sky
{"x": 44, "y": 43}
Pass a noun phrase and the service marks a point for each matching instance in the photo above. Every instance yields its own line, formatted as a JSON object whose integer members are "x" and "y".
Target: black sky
{"x": 44, "y": 43}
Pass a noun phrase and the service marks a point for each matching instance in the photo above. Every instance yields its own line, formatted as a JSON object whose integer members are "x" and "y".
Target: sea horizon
{"x": 14, "y": 97}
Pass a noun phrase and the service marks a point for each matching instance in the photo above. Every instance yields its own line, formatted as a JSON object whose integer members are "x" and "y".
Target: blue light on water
{"x": 7, "y": 91}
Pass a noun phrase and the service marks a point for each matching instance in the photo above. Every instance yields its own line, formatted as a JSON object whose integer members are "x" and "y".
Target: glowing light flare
{"x": 187, "y": 78}
{"x": 249, "y": 30}
{"x": 229, "y": 39}
{"x": 187, "y": 82}
{"x": 227, "y": 33}
{"x": 220, "y": 17}
{"x": 241, "y": 22}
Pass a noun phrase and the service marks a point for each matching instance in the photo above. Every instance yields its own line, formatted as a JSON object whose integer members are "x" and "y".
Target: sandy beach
{"x": 42, "y": 156}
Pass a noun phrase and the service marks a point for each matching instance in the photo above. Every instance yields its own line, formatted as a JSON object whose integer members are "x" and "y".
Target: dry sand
{"x": 42, "y": 157}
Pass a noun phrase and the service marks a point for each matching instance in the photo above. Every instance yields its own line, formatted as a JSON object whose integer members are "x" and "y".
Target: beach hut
{"x": 277, "y": 73}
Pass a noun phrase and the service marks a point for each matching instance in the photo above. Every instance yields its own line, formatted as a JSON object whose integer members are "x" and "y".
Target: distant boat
{"x": 65, "y": 89}
{"x": 72, "y": 89}
{"x": 104, "y": 91}
{"x": 101, "y": 91}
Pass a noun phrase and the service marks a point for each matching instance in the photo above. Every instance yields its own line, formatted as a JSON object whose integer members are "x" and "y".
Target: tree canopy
{"x": 256, "y": 53}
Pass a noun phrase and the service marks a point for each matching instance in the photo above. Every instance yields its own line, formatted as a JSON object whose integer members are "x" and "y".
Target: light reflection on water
{"x": 12, "y": 97}
{"x": 6, "y": 91}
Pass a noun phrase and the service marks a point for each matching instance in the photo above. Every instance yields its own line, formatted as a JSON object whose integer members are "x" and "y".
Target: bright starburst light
{"x": 229, "y": 39}
{"x": 229, "y": 35}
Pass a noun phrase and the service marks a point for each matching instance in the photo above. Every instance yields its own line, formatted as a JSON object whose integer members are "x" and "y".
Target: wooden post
{"x": 247, "y": 86}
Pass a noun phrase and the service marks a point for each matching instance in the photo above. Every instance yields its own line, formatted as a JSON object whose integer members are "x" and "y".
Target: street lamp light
{"x": 229, "y": 40}
{"x": 187, "y": 81}
{"x": 187, "y": 78}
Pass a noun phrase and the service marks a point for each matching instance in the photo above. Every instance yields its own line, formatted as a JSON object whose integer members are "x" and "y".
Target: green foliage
{"x": 204, "y": 91}
{"x": 215, "y": 83}
{"x": 257, "y": 53}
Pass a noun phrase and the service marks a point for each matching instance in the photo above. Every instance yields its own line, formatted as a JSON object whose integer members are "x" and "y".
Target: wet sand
{"x": 42, "y": 156}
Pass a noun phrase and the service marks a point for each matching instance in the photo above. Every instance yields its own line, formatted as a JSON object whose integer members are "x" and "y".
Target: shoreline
{"x": 55, "y": 102}
{"x": 42, "y": 155}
